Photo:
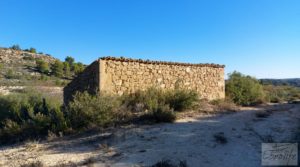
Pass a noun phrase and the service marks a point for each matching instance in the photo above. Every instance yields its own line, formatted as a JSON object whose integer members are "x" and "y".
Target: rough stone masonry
{"x": 121, "y": 75}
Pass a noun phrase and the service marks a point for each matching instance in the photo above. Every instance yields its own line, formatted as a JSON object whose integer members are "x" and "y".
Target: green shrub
{"x": 224, "y": 105}
{"x": 28, "y": 116}
{"x": 181, "y": 99}
{"x": 91, "y": 110}
{"x": 244, "y": 90}
{"x": 11, "y": 75}
{"x": 9, "y": 130}
{"x": 29, "y": 58}
{"x": 57, "y": 68}
{"x": 15, "y": 47}
{"x": 147, "y": 99}
{"x": 277, "y": 94}
{"x": 157, "y": 105}
{"x": 59, "y": 82}
{"x": 70, "y": 60}
{"x": 42, "y": 66}
{"x": 78, "y": 68}
{"x": 32, "y": 50}
{"x": 162, "y": 113}
{"x": 44, "y": 77}
{"x": 176, "y": 99}
{"x": 33, "y": 164}
{"x": 67, "y": 70}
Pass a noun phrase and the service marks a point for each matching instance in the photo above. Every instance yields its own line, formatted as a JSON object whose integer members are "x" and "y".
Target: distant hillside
{"x": 278, "y": 82}
{"x": 26, "y": 67}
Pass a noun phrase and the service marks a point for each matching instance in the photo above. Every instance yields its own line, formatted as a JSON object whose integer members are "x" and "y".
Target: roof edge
{"x": 122, "y": 59}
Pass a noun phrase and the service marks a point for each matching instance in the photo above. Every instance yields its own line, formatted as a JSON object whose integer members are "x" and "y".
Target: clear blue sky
{"x": 256, "y": 37}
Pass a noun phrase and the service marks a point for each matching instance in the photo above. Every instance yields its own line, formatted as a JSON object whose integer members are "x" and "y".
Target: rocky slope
{"x": 21, "y": 62}
{"x": 11, "y": 56}
{"x": 21, "y": 67}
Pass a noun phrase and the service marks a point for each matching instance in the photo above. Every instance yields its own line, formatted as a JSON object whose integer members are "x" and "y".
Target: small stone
{"x": 188, "y": 69}
{"x": 120, "y": 92}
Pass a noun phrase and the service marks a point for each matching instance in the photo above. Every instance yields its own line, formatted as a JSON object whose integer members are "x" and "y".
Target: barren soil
{"x": 190, "y": 140}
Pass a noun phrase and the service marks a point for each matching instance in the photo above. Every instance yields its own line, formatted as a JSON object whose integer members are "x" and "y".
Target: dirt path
{"x": 192, "y": 141}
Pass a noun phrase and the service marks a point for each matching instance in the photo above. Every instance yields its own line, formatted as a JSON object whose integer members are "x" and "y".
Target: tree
{"x": 67, "y": 69}
{"x": 32, "y": 50}
{"x": 244, "y": 90}
{"x": 42, "y": 66}
{"x": 57, "y": 68}
{"x": 70, "y": 60}
{"x": 78, "y": 68}
{"x": 15, "y": 47}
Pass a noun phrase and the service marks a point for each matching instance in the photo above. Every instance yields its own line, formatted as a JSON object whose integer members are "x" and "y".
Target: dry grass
{"x": 32, "y": 145}
{"x": 205, "y": 107}
{"x": 224, "y": 105}
{"x": 33, "y": 164}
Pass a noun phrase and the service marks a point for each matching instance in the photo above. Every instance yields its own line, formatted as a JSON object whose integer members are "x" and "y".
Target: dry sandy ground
{"x": 190, "y": 140}
{"x": 5, "y": 90}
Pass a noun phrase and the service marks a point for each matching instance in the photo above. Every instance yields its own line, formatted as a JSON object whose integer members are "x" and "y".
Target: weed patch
{"x": 220, "y": 138}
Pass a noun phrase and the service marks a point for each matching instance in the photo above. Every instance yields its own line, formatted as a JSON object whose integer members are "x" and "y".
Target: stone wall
{"x": 119, "y": 75}
{"x": 122, "y": 76}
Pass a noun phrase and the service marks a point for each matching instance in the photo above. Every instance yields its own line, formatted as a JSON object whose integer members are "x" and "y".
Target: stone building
{"x": 120, "y": 75}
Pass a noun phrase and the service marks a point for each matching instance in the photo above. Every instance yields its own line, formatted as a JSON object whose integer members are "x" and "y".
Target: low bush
{"x": 29, "y": 58}
{"x": 162, "y": 113}
{"x": 58, "y": 82}
{"x": 140, "y": 100}
{"x": 159, "y": 105}
{"x": 177, "y": 99}
{"x": 25, "y": 116}
{"x": 10, "y": 74}
{"x": 244, "y": 90}
{"x": 225, "y": 105}
{"x": 33, "y": 164}
{"x": 15, "y": 47}
{"x": 278, "y": 94}
{"x": 91, "y": 110}
{"x": 32, "y": 50}
{"x": 181, "y": 99}
{"x": 29, "y": 115}
{"x": 42, "y": 66}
